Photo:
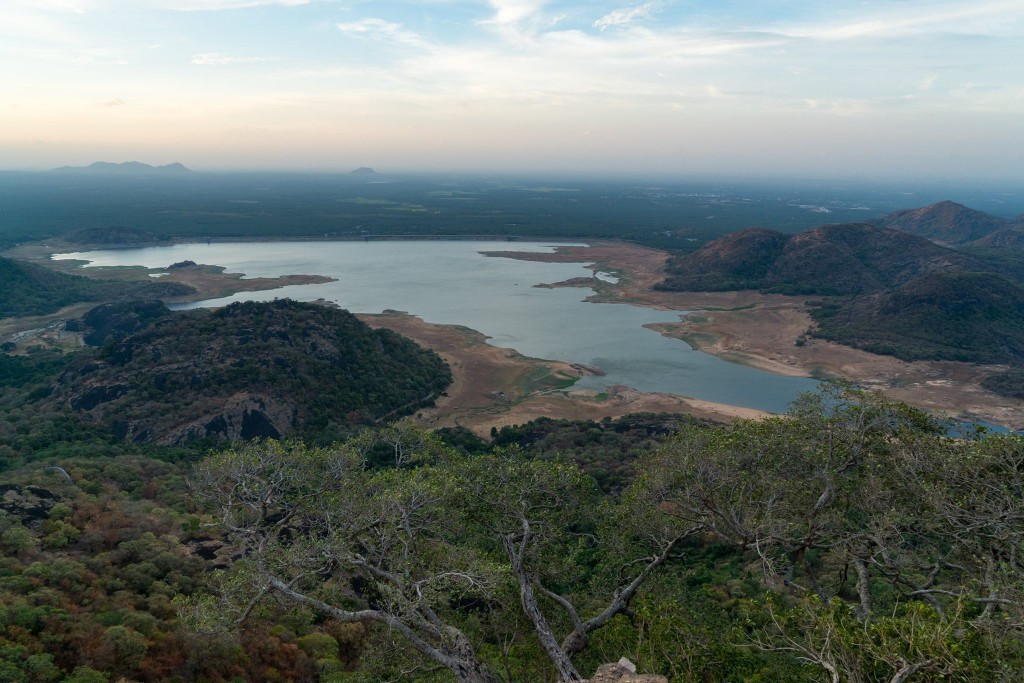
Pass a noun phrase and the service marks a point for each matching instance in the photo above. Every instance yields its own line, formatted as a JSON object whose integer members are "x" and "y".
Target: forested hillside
{"x": 886, "y": 291}
{"x": 964, "y": 316}
{"x": 849, "y": 539}
{"x": 946, "y": 222}
{"x": 841, "y": 259}
{"x": 29, "y": 289}
{"x": 250, "y": 370}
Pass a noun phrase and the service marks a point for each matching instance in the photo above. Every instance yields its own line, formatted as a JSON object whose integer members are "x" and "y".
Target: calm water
{"x": 452, "y": 283}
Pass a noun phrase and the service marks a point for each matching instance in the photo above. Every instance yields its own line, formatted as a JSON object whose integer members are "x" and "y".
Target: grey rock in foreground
{"x": 624, "y": 671}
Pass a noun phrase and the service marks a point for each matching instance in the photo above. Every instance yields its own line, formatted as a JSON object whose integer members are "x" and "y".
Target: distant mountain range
{"x": 126, "y": 168}
{"x": 888, "y": 289}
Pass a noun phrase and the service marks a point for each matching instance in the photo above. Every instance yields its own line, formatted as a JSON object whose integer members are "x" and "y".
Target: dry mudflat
{"x": 495, "y": 387}
{"x": 762, "y": 330}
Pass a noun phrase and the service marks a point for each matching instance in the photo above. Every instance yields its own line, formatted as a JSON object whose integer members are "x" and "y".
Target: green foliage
{"x": 298, "y": 368}
{"x": 1009, "y": 383}
{"x": 867, "y": 507}
{"x": 767, "y": 587}
{"x": 83, "y": 674}
{"x": 30, "y": 289}
{"x": 604, "y": 450}
{"x": 963, "y": 316}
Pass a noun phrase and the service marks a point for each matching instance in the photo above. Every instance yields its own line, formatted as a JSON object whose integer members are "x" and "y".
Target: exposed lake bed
{"x": 451, "y": 283}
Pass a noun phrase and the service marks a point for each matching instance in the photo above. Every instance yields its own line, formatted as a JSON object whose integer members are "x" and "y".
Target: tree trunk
{"x": 567, "y": 673}
{"x": 863, "y": 588}
{"x": 464, "y": 663}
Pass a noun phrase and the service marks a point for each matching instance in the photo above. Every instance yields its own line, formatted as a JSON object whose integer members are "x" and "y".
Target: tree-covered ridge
{"x": 248, "y": 370}
{"x": 29, "y": 289}
{"x": 946, "y": 222}
{"x": 1009, "y": 383}
{"x": 849, "y": 541}
{"x": 888, "y": 292}
{"x": 963, "y": 316}
{"x": 842, "y": 259}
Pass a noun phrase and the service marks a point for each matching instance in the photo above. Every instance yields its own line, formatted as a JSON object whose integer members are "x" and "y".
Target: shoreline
{"x": 745, "y": 327}
{"x": 766, "y": 331}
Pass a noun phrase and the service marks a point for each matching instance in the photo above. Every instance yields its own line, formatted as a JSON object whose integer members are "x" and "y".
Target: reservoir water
{"x": 451, "y": 282}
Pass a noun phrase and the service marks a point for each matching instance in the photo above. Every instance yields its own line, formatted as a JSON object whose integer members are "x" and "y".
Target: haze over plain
{"x": 920, "y": 88}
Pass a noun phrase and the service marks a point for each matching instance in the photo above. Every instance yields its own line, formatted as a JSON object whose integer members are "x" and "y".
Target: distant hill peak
{"x": 126, "y": 168}
{"x": 364, "y": 170}
{"x": 946, "y": 222}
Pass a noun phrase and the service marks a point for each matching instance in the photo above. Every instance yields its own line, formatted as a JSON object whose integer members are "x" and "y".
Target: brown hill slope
{"x": 1011, "y": 237}
{"x": 958, "y": 315}
{"x": 946, "y": 222}
{"x": 848, "y": 258}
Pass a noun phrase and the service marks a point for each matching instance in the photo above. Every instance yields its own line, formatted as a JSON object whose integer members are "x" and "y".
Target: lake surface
{"x": 451, "y": 282}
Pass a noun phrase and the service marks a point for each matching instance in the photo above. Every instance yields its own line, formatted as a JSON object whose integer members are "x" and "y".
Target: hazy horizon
{"x": 916, "y": 89}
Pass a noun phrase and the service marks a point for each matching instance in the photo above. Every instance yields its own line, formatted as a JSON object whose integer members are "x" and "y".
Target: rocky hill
{"x": 946, "y": 222}
{"x": 963, "y": 316}
{"x": 842, "y": 259}
{"x": 1005, "y": 238}
{"x": 250, "y": 370}
{"x": 888, "y": 291}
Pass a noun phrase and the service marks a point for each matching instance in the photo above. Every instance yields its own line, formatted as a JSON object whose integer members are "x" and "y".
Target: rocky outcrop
{"x": 242, "y": 417}
{"x": 109, "y": 322}
{"x": 624, "y": 671}
{"x": 30, "y": 504}
{"x": 245, "y": 371}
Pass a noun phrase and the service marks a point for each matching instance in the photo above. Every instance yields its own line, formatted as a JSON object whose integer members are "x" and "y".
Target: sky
{"x": 822, "y": 88}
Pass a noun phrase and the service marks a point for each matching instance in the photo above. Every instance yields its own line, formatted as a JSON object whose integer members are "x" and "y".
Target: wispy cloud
{"x": 217, "y": 5}
{"x": 624, "y": 16}
{"x": 913, "y": 19}
{"x": 384, "y": 30}
{"x": 74, "y": 6}
{"x": 116, "y": 102}
{"x": 513, "y": 11}
{"x": 220, "y": 59}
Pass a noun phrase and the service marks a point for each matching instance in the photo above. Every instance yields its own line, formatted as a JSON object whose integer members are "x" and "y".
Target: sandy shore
{"x": 763, "y": 330}
{"x": 495, "y": 387}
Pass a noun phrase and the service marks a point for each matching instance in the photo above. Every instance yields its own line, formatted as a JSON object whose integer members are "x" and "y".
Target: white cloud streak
{"x": 624, "y": 16}
{"x": 220, "y": 59}
{"x": 219, "y": 5}
{"x": 387, "y": 31}
{"x": 916, "y": 19}
{"x": 514, "y": 11}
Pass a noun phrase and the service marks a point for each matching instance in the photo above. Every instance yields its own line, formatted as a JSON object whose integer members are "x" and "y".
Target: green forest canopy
{"x": 850, "y": 536}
